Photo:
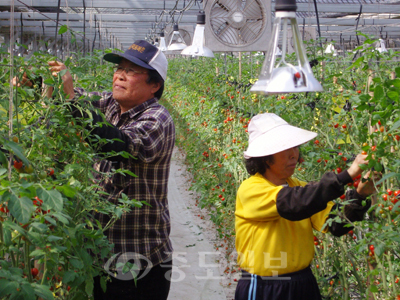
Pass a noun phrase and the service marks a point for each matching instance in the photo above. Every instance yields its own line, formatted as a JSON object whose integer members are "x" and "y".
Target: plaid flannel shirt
{"x": 144, "y": 232}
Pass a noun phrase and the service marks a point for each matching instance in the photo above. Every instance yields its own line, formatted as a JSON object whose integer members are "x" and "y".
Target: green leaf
{"x": 21, "y": 208}
{"x": 7, "y": 236}
{"x": 14, "y": 147}
{"x": 7, "y": 287}
{"x": 37, "y": 252}
{"x": 42, "y": 228}
{"x": 49, "y": 82}
{"x": 53, "y": 238}
{"x": 63, "y": 72}
{"x": 393, "y": 95}
{"x": 61, "y": 217}
{"x": 3, "y": 171}
{"x": 3, "y": 159}
{"x": 394, "y": 127}
{"x": 378, "y": 92}
{"x": 63, "y": 29}
{"x": 89, "y": 286}
{"x": 52, "y": 199}
{"x": 395, "y": 82}
{"x": 397, "y": 70}
{"x": 374, "y": 288}
{"x": 69, "y": 276}
{"x": 67, "y": 190}
{"x": 379, "y": 249}
{"x": 76, "y": 263}
{"x": 43, "y": 291}
{"x": 27, "y": 292}
{"x": 103, "y": 283}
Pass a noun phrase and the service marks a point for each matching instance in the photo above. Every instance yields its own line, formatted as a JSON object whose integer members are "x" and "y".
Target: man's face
{"x": 130, "y": 91}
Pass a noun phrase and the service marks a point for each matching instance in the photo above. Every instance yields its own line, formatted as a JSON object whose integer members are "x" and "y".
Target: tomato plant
{"x": 358, "y": 112}
{"x": 48, "y": 192}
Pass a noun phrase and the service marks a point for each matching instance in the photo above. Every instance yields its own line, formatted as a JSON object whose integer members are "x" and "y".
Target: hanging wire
{"x": 10, "y": 103}
{"x": 48, "y": 18}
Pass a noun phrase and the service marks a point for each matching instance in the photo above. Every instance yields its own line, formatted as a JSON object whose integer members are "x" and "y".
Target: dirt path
{"x": 198, "y": 269}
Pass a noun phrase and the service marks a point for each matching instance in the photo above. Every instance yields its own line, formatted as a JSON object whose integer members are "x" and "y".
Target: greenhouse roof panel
{"x": 123, "y": 21}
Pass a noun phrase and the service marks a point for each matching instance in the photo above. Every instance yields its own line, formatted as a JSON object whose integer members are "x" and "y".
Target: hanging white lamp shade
{"x": 330, "y": 49}
{"x": 177, "y": 42}
{"x": 162, "y": 45}
{"x": 382, "y": 47}
{"x": 278, "y": 52}
{"x": 197, "y": 48}
{"x": 285, "y": 77}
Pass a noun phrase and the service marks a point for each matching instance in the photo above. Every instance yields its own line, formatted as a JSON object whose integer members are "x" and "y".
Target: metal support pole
{"x": 58, "y": 18}
{"x": 84, "y": 28}
{"x": 319, "y": 29}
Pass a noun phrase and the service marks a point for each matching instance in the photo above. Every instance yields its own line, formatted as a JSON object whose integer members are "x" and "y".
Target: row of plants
{"x": 50, "y": 245}
{"x": 358, "y": 112}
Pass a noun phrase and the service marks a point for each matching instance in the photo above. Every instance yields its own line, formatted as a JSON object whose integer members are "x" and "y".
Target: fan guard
{"x": 237, "y": 23}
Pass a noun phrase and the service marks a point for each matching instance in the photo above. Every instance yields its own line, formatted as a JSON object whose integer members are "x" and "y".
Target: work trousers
{"x": 300, "y": 285}
{"x": 154, "y": 285}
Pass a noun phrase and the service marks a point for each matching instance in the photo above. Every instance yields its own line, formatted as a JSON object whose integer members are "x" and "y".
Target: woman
{"x": 276, "y": 213}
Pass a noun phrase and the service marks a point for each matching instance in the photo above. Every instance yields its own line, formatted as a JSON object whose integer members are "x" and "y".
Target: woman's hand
{"x": 25, "y": 81}
{"x": 355, "y": 169}
{"x": 55, "y": 68}
{"x": 367, "y": 187}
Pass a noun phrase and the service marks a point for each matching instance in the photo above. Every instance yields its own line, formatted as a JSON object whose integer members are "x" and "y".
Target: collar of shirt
{"x": 140, "y": 108}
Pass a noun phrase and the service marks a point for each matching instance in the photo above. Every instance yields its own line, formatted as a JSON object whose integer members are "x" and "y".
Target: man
{"x": 142, "y": 127}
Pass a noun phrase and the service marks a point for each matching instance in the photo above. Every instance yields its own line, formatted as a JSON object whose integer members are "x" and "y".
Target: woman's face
{"x": 283, "y": 166}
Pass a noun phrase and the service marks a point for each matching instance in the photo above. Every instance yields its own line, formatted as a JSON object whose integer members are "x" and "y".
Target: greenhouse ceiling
{"x": 117, "y": 23}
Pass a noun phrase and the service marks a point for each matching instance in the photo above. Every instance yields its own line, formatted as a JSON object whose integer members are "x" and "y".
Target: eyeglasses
{"x": 128, "y": 71}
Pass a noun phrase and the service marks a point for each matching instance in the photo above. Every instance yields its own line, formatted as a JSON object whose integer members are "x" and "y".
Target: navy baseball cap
{"x": 142, "y": 54}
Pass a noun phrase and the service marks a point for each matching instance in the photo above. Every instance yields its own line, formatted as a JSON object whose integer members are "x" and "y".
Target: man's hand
{"x": 25, "y": 81}
{"x": 355, "y": 169}
{"x": 367, "y": 187}
{"x": 55, "y": 68}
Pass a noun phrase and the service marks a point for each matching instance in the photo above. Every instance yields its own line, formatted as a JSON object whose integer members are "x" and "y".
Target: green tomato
{"x": 42, "y": 174}
{"x": 28, "y": 169}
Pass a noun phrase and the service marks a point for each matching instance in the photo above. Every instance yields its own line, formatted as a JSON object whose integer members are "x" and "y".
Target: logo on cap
{"x": 138, "y": 48}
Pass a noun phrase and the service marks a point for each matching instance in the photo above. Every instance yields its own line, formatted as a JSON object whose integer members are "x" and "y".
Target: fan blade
{"x": 229, "y": 6}
{"x": 218, "y": 12}
{"x": 230, "y": 35}
{"x": 253, "y": 9}
{"x": 250, "y": 31}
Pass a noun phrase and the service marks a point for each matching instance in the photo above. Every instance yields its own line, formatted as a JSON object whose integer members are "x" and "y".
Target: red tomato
{"x": 34, "y": 272}
{"x": 18, "y": 164}
{"x": 37, "y": 201}
{"x": 51, "y": 171}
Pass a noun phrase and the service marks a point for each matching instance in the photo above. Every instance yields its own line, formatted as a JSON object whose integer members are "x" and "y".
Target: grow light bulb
{"x": 176, "y": 42}
{"x": 197, "y": 48}
{"x": 162, "y": 46}
{"x": 285, "y": 77}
